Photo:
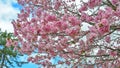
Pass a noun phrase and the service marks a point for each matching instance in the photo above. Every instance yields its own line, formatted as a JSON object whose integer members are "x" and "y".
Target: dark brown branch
{"x": 3, "y": 60}
{"x": 110, "y": 4}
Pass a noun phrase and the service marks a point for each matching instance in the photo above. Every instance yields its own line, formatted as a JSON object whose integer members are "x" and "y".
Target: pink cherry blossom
{"x": 54, "y": 28}
{"x": 9, "y": 42}
{"x": 113, "y": 53}
{"x": 103, "y": 26}
{"x": 83, "y": 8}
{"x": 115, "y": 2}
{"x": 73, "y": 21}
{"x": 107, "y": 39}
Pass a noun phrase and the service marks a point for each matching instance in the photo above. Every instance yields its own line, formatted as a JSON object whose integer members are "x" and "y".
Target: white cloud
{"x": 7, "y": 14}
{"x": 6, "y": 26}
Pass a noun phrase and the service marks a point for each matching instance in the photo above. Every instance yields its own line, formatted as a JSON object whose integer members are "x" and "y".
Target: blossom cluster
{"x": 54, "y": 27}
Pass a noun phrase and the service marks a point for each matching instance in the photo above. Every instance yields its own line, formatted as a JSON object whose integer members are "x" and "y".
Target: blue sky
{"x": 8, "y": 12}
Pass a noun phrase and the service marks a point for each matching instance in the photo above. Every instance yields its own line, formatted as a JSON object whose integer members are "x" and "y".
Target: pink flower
{"x": 61, "y": 25}
{"x": 64, "y": 25}
{"x": 73, "y": 20}
{"x": 68, "y": 62}
{"x": 38, "y": 12}
{"x": 60, "y": 62}
{"x": 29, "y": 59}
{"x": 117, "y": 12}
{"x": 93, "y": 29}
{"x": 114, "y": 1}
{"x": 15, "y": 48}
{"x": 65, "y": 17}
{"x": 9, "y": 42}
{"x": 103, "y": 26}
{"x": 107, "y": 39}
{"x": 91, "y": 37}
{"x": 83, "y": 16}
{"x": 73, "y": 31}
{"x": 82, "y": 43}
{"x": 57, "y": 5}
{"x": 112, "y": 53}
{"x": 46, "y": 28}
{"x": 100, "y": 52}
{"x": 83, "y": 8}
{"x": 93, "y": 3}
{"x": 50, "y": 18}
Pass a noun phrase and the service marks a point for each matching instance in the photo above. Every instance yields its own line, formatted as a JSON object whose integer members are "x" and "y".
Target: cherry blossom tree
{"x": 84, "y": 33}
